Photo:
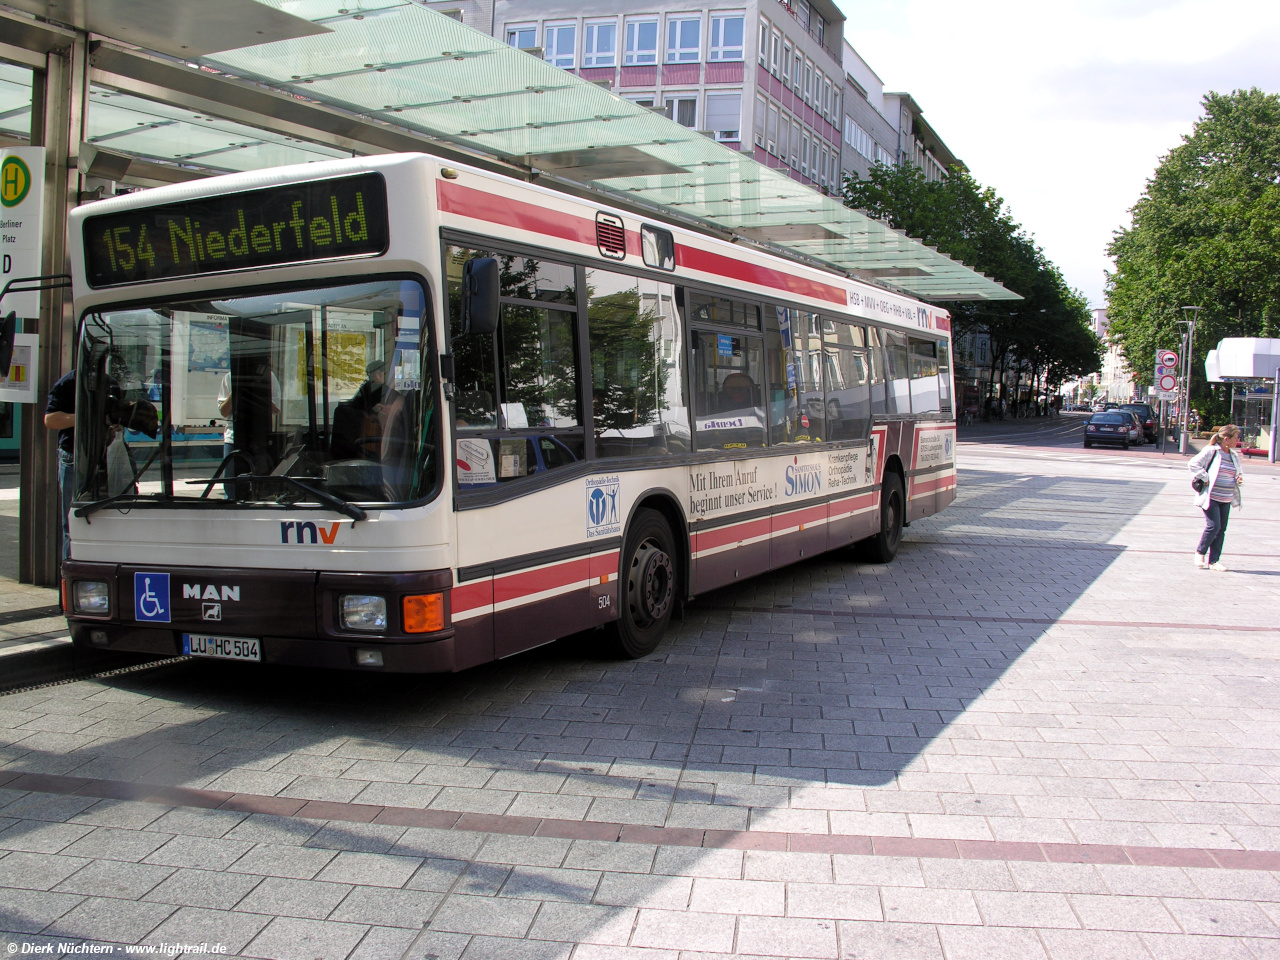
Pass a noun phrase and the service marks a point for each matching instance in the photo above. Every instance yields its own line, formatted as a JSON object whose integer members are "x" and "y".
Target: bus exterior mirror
{"x": 480, "y": 295}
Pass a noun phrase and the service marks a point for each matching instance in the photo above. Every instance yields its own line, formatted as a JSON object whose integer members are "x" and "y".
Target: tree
{"x": 1205, "y": 232}
{"x": 1048, "y": 330}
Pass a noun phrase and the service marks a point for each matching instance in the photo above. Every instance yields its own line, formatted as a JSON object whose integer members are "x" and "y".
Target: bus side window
{"x": 944, "y": 376}
{"x": 924, "y": 376}
{"x": 897, "y": 372}
{"x": 637, "y": 382}
{"x": 780, "y": 388}
{"x": 516, "y": 403}
{"x": 475, "y": 392}
{"x": 727, "y": 396}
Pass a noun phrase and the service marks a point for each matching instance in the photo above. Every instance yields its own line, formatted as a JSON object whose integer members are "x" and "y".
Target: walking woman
{"x": 1218, "y": 466}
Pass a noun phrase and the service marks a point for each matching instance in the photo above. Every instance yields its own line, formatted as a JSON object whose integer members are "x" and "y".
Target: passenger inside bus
{"x": 738, "y": 392}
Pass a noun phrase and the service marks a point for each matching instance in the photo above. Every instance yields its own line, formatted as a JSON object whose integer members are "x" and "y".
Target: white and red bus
{"x": 398, "y": 415}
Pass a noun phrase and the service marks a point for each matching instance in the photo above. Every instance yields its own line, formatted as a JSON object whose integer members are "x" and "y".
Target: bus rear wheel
{"x": 647, "y": 586}
{"x": 884, "y": 545}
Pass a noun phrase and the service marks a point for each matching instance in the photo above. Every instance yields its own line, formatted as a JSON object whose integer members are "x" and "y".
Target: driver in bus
{"x": 229, "y": 432}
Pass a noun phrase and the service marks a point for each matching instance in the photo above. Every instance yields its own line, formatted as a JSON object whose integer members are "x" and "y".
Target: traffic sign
{"x": 1166, "y": 358}
{"x": 1167, "y": 382}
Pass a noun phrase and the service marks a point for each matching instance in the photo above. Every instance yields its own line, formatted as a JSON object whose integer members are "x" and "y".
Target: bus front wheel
{"x": 884, "y": 545}
{"x": 646, "y": 587}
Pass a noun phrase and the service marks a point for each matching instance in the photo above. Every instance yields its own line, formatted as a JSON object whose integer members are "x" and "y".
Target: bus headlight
{"x": 92, "y": 598}
{"x": 363, "y": 612}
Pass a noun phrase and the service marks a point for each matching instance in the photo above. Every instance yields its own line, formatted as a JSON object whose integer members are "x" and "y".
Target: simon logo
{"x": 803, "y": 480}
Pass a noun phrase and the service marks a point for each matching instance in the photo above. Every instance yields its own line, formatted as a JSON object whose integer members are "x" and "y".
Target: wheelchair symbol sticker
{"x": 151, "y": 597}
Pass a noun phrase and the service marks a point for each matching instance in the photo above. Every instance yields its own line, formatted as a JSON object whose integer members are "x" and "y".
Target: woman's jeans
{"x": 1215, "y": 529}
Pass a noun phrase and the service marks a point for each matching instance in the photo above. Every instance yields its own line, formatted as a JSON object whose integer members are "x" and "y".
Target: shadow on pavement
{"x": 746, "y": 683}
{"x": 829, "y": 672}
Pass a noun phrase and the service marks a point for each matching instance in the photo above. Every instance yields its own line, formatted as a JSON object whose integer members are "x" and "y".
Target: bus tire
{"x": 884, "y": 545}
{"x": 647, "y": 586}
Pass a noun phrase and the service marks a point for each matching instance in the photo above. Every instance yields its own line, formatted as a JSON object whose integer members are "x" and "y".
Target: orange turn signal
{"x": 424, "y": 613}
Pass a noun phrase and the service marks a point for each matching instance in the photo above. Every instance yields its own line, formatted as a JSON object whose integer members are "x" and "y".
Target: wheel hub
{"x": 652, "y": 583}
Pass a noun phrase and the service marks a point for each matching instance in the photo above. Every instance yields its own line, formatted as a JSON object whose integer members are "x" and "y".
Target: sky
{"x": 1066, "y": 108}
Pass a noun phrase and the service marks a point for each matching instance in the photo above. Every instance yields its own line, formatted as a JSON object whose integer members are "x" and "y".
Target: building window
{"x": 522, "y": 37}
{"x": 797, "y": 72}
{"x": 775, "y": 52}
{"x": 857, "y": 138}
{"x": 560, "y": 44}
{"x": 727, "y": 36}
{"x": 795, "y": 145}
{"x": 764, "y": 44}
{"x": 825, "y": 105}
{"x": 601, "y": 48}
{"x": 642, "y": 42}
{"x": 762, "y": 111}
{"x": 642, "y": 100}
{"x": 772, "y": 145}
{"x": 808, "y": 82}
{"x": 684, "y": 40}
{"x": 804, "y": 154}
{"x": 786, "y": 63}
{"x": 683, "y": 109}
{"x": 724, "y": 115}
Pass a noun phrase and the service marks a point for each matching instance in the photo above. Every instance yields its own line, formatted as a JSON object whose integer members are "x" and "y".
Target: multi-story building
{"x": 870, "y": 137}
{"x": 806, "y": 102}
{"x": 765, "y": 76}
{"x": 887, "y": 128}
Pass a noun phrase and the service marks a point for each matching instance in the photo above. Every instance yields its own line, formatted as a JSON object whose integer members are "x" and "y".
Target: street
{"x": 1039, "y": 733}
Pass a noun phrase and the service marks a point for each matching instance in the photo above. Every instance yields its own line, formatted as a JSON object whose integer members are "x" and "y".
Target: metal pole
{"x": 1182, "y": 389}
{"x": 1275, "y": 419}
{"x": 1186, "y": 408}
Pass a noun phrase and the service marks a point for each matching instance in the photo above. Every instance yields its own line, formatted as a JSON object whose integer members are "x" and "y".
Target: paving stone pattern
{"x": 1097, "y": 691}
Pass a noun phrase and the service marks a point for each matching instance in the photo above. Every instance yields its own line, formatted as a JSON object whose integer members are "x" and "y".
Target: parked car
{"x": 1147, "y": 416}
{"x": 1109, "y": 427}
{"x": 1137, "y": 435}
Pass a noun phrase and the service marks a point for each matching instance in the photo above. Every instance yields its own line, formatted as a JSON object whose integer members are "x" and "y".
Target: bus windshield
{"x": 311, "y": 395}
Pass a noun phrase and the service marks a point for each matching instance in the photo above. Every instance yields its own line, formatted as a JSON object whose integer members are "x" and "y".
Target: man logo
{"x": 193, "y": 591}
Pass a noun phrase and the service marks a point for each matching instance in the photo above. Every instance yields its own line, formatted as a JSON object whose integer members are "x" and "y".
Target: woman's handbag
{"x": 1199, "y": 483}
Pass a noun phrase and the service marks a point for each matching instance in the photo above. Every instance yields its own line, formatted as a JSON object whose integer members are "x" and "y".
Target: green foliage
{"x": 1049, "y": 328}
{"x": 1206, "y": 232}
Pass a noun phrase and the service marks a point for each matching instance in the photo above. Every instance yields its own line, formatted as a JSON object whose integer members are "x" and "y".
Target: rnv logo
{"x": 314, "y": 533}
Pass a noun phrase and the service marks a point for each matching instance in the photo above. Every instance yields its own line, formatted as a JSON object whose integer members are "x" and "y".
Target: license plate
{"x": 221, "y": 648}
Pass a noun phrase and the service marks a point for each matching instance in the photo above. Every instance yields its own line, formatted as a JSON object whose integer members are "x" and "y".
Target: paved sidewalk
{"x": 1039, "y": 733}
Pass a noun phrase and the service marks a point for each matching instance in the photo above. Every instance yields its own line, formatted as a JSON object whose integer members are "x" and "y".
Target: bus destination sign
{"x": 292, "y": 223}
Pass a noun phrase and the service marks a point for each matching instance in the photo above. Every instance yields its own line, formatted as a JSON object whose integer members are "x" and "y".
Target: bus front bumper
{"x": 295, "y": 616}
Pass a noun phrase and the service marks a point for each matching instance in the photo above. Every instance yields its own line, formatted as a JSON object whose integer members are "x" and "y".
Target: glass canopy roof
{"x": 172, "y": 134}
{"x": 400, "y": 63}
{"x": 15, "y": 101}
